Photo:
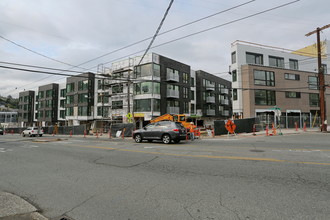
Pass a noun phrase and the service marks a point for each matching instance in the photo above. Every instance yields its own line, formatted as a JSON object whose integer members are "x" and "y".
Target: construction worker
{"x": 191, "y": 131}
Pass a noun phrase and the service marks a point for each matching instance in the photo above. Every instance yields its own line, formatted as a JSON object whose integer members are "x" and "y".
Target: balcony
{"x": 210, "y": 99}
{"x": 224, "y": 91}
{"x": 210, "y": 112}
{"x": 172, "y": 77}
{"x": 210, "y": 86}
{"x": 172, "y": 93}
{"x": 173, "y": 110}
{"x": 224, "y": 102}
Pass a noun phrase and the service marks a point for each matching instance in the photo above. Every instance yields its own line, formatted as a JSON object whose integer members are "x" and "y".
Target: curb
{"x": 13, "y": 207}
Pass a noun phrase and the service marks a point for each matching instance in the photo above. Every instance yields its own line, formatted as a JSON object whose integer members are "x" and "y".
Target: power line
{"x": 138, "y": 42}
{"x": 157, "y": 31}
{"x": 35, "y": 52}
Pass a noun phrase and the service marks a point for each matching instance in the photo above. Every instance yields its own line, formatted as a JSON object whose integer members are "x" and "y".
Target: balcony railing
{"x": 172, "y": 77}
{"x": 224, "y": 91}
{"x": 172, "y": 93}
{"x": 210, "y": 86}
{"x": 210, "y": 99}
{"x": 224, "y": 102}
{"x": 173, "y": 110}
{"x": 210, "y": 111}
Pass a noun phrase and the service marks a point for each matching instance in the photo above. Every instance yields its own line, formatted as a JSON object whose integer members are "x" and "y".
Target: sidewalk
{"x": 13, "y": 207}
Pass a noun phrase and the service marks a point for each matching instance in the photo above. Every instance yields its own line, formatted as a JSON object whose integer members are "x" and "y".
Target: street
{"x": 236, "y": 177}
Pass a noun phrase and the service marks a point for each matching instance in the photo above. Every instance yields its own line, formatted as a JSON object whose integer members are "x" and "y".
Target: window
{"x": 100, "y": 84}
{"x": 313, "y": 82}
{"x": 147, "y": 70}
{"x": 83, "y": 85}
{"x": 146, "y": 88}
{"x": 264, "y": 78}
{"x": 49, "y": 103}
{"x": 41, "y": 95}
{"x": 99, "y": 111}
{"x": 185, "y": 77}
{"x": 116, "y": 89}
{"x": 234, "y": 75}
{"x": 83, "y": 111}
{"x": 172, "y": 103}
{"x": 62, "y": 103}
{"x": 314, "y": 100}
{"x": 293, "y": 64}
{"x": 292, "y": 95}
{"x": 192, "y": 95}
{"x": 69, "y": 99}
{"x": 117, "y": 104}
{"x": 40, "y": 114}
{"x": 83, "y": 98}
{"x": 142, "y": 105}
{"x": 290, "y": 76}
{"x": 234, "y": 94}
{"x": 185, "y": 92}
{"x": 62, "y": 113}
{"x": 70, "y": 87}
{"x": 49, "y": 93}
{"x": 276, "y": 61}
{"x": 63, "y": 93}
{"x": 254, "y": 58}
{"x": 48, "y": 113}
{"x": 233, "y": 57}
{"x": 265, "y": 97}
{"x": 192, "y": 82}
{"x": 69, "y": 111}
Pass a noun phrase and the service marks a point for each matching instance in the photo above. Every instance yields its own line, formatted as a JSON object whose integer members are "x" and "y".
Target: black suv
{"x": 166, "y": 131}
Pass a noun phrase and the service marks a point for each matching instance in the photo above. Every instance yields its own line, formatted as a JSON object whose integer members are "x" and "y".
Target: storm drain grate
{"x": 257, "y": 151}
{"x": 64, "y": 218}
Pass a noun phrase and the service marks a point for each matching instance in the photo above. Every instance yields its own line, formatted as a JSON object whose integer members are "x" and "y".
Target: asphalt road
{"x": 246, "y": 177}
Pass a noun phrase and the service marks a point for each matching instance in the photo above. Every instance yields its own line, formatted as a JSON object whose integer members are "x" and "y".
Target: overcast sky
{"x": 75, "y": 31}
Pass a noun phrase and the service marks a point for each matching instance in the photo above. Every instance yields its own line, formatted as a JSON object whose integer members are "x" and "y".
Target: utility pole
{"x": 321, "y": 77}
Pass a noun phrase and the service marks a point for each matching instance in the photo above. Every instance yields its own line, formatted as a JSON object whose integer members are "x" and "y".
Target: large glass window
{"x": 41, "y": 95}
{"x": 265, "y": 97}
{"x": 142, "y": 105}
{"x": 146, "y": 88}
{"x": 49, "y": 103}
{"x": 147, "y": 70}
{"x": 69, "y": 99}
{"x": 185, "y": 91}
{"x": 313, "y": 82}
{"x": 293, "y": 64}
{"x": 100, "y": 84}
{"x": 49, "y": 93}
{"x": 62, "y": 103}
{"x": 314, "y": 100}
{"x": 186, "y": 107}
{"x": 254, "y": 58}
{"x": 62, "y": 113}
{"x": 192, "y": 81}
{"x": 192, "y": 95}
{"x": 264, "y": 78}
{"x": 70, "y": 87}
{"x": 83, "y": 85}
{"x": 83, "y": 111}
{"x": 83, "y": 98}
{"x": 276, "y": 61}
{"x": 69, "y": 111}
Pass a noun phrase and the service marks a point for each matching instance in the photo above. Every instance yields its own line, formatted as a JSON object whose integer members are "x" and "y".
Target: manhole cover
{"x": 257, "y": 151}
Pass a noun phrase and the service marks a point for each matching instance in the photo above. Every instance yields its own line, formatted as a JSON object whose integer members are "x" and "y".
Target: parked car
{"x": 166, "y": 131}
{"x": 1, "y": 131}
{"x": 33, "y": 131}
